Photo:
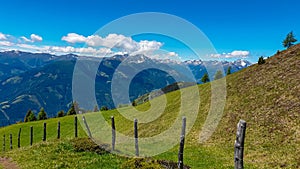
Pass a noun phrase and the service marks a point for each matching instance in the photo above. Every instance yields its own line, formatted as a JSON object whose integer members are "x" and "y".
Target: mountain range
{"x": 35, "y": 80}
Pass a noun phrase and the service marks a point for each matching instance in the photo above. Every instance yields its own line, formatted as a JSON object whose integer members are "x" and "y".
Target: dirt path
{"x": 7, "y": 163}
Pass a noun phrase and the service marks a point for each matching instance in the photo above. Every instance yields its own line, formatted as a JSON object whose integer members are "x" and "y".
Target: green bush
{"x": 61, "y": 113}
{"x": 73, "y": 109}
{"x": 88, "y": 145}
{"x": 104, "y": 108}
{"x": 29, "y": 116}
{"x": 218, "y": 75}
{"x": 205, "y": 78}
{"x": 289, "y": 40}
{"x": 42, "y": 114}
{"x": 261, "y": 60}
{"x": 228, "y": 70}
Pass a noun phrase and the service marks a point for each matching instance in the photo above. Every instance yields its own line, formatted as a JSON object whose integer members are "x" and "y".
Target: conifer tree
{"x": 205, "y": 78}
{"x": 42, "y": 114}
{"x": 289, "y": 40}
{"x": 61, "y": 113}
{"x": 29, "y": 116}
{"x": 228, "y": 70}
{"x": 218, "y": 75}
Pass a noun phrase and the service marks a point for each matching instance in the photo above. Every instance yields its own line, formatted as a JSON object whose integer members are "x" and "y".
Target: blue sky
{"x": 254, "y": 26}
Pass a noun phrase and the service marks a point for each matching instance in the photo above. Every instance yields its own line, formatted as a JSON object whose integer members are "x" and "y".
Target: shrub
{"x": 73, "y": 109}
{"x": 278, "y": 52}
{"x": 29, "y": 116}
{"x": 61, "y": 113}
{"x": 289, "y": 40}
{"x": 88, "y": 145}
{"x": 96, "y": 109}
{"x": 205, "y": 78}
{"x": 261, "y": 60}
{"x": 42, "y": 114}
{"x": 104, "y": 108}
{"x": 218, "y": 75}
{"x": 228, "y": 70}
{"x": 134, "y": 103}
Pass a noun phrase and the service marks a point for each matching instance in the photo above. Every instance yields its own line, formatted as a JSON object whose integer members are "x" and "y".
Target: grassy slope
{"x": 266, "y": 96}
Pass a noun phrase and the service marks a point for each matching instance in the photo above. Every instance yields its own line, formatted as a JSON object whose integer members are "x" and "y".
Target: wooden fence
{"x": 238, "y": 146}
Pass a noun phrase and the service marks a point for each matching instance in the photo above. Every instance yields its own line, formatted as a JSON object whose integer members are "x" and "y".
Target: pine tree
{"x": 218, "y": 75}
{"x": 96, "y": 108}
{"x": 261, "y": 60}
{"x": 42, "y": 114}
{"x": 32, "y": 117}
{"x": 289, "y": 40}
{"x": 61, "y": 113}
{"x": 29, "y": 116}
{"x": 228, "y": 70}
{"x": 73, "y": 108}
{"x": 205, "y": 78}
{"x": 104, "y": 108}
{"x": 134, "y": 103}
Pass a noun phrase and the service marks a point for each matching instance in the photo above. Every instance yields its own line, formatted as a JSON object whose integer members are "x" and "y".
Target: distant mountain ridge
{"x": 35, "y": 80}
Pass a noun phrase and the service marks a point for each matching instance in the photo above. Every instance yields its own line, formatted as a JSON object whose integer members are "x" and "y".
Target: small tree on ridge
{"x": 218, "y": 75}
{"x": 29, "y": 116}
{"x": 205, "y": 78}
{"x": 289, "y": 40}
{"x": 42, "y": 114}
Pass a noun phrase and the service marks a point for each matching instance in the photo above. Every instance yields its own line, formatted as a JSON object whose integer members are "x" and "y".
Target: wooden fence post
{"x": 113, "y": 133}
{"x": 10, "y": 141}
{"x": 239, "y": 145}
{"x": 181, "y": 146}
{"x": 58, "y": 130}
{"x": 45, "y": 130}
{"x": 31, "y": 135}
{"x": 4, "y": 142}
{"x": 75, "y": 125}
{"x": 87, "y": 127}
{"x": 136, "y": 139}
{"x": 19, "y": 138}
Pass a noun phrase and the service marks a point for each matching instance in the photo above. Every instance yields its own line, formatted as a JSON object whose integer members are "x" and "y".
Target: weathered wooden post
{"x": 239, "y": 145}
{"x": 4, "y": 142}
{"x": 19, "y": 138}
{"x": 75, "y": 125}
{"x": 136, "y": 139}
{"x": 45, "y": 130}
{"x": 113, "y": 133}
{"x": 58, "y": 130}
{"x": 31, "y": 135}
{"x": 87, "y": 127}
{"x": 10, "y": 141}
{"x": 181, "y": 146}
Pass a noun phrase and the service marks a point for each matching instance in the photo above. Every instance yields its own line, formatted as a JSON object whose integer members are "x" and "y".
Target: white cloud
{"x": 109, "y": 45}
{"x": 111, "y": 40}
{"x": 83, "y": 51}
{"x": 240, "y": 53}
{"x": 2, "y": 36}
{"x": 6, "y": 43}
{"x": 89, "y": 51}
{"x": 35, "y": 38}
{"x": 233, "y": 54}
{"x": 115, "y": 41}
{"x": 94, "y": 40}
{"x": 172, "y": 54}
{"x": 33, "y": 47}
{"x": 25, "y": 39}
{"x": 74, "y": 38}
